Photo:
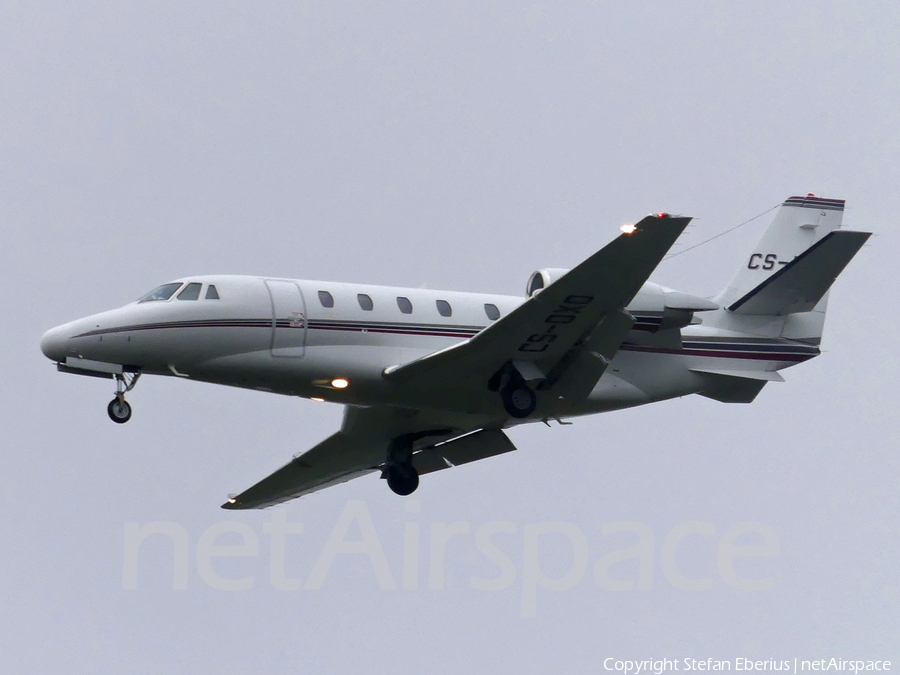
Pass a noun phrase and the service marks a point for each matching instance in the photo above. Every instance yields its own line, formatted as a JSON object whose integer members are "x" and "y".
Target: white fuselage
{"x": 429, "y": 379}
{"x": 280, "y": 335}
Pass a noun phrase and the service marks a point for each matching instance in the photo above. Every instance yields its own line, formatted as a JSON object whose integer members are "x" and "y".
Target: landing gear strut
{"x": 399, "y": 471}
{"x": 119, "y": 410}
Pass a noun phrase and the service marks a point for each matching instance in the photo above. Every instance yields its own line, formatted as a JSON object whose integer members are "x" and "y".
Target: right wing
{"x": 579, "y": 315}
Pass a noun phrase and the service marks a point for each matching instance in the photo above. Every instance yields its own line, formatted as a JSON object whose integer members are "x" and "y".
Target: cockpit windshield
{"x": 163, "y": 292}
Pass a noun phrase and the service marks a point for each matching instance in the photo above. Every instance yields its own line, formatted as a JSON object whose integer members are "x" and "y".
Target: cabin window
{"x": 405, "y": 305}
{"x": 365, "y": 302}
{"x": 159, "y": 293}
{"x": 190, "y": 292}
{"x": 212, "y": 293}
{"x": 444, "y": 308}
{"x": 326, "y": 299}
{"x": 492, "y": 312}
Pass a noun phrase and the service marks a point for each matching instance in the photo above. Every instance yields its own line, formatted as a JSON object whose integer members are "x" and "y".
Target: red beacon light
{"x": 662, "y": 214}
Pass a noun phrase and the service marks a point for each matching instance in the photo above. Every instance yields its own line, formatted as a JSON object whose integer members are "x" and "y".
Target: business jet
{"x": 431, "y": 379}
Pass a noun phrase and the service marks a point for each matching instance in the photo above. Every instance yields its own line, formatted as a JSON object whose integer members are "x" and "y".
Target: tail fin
{"x": 790, "y": 270}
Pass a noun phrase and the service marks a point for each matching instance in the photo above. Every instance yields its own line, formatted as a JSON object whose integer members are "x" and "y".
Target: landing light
{"x": 316, "y": 398}
{"x": 340, "y": 383}
{"x": 628, "y": 228}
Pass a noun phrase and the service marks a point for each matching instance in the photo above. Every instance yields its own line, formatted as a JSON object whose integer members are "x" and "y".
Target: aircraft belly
{"x": 612, "y": 392}
{"x": 310, "y": 376}
{"x": 634, "y": 379}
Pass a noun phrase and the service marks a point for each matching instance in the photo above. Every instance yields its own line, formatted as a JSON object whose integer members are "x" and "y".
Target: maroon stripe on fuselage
{"x": 723, "y": 354}
{"x": 397, "y": 331}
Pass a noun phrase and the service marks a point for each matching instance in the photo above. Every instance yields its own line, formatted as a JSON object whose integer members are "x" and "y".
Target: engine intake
{"x": 541, "y": 279}
{"x": 656, "y": 307}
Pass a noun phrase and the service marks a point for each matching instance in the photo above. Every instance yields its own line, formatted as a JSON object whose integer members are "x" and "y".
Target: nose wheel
{"x": 119, "y": 410}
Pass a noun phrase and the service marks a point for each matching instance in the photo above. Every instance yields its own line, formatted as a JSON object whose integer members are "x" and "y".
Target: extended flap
{"x": 462, "y": 450}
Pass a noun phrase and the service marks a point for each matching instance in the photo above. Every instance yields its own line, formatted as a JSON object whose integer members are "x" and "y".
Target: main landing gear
{"x": 519, "y": 400}
{"x": 403, "y": 479}
{"x": 401, "y": 475}
{"x": 119, "y": 410}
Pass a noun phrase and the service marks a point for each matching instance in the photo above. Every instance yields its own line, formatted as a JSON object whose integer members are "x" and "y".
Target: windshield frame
{"x": 162, "y": 293}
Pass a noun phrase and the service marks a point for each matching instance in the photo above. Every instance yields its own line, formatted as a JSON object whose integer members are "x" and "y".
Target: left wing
{"x": 335, "y": 460}
{"x": 544, "y": 336}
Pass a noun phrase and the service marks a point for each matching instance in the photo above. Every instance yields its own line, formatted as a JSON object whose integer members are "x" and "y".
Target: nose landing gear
{"x": 119, "y": 410}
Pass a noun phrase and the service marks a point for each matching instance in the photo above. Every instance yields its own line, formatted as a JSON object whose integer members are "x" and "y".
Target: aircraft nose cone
{"x": 54, "y": 342}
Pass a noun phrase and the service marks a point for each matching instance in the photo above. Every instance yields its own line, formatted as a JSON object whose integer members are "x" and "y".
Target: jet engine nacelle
{"x": 675, "y": 309}
{"x": 542, "y": 279}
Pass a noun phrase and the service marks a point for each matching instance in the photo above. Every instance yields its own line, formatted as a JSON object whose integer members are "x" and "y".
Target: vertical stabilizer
{"x": 800, "y": 223}
{"x": 781, "y": 288}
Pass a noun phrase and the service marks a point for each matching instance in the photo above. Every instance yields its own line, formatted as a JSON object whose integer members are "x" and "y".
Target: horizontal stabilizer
{"x": 801, "y": 283}
{"x": 462, "y": 450}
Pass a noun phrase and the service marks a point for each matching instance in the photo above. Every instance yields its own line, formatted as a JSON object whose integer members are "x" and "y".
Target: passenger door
{"x": 288, "y": 318}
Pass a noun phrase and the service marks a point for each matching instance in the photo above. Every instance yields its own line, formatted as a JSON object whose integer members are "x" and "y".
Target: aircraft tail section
{"x": 782, "y": 287}
{"x": 799, "y": 224}
{"x": 799, "y": 285}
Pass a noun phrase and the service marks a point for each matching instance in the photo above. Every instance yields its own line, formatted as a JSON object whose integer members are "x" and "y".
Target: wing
{"x": 361, "y": 447}
{"x": 577, "y": 319}
{"x": 564, "y": 335}
{"x": 337, "y": 459}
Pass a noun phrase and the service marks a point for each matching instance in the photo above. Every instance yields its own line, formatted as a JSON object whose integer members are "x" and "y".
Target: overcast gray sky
{"x": 457, "y": 146}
